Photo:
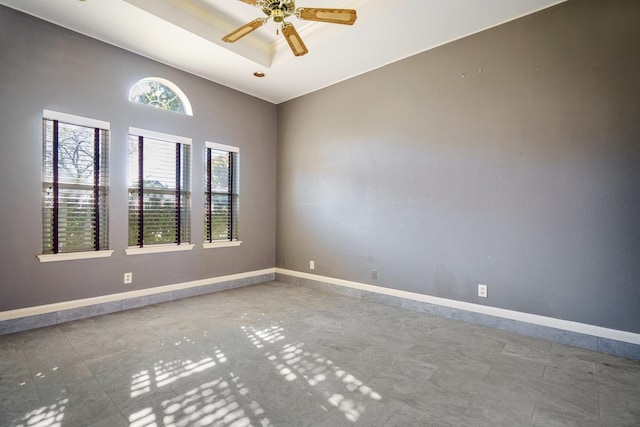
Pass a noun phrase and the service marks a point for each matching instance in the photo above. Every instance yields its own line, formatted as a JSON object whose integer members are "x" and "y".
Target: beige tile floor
{"x": 282, "y": 355}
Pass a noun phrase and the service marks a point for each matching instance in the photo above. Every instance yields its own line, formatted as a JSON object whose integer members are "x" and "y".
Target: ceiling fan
{"x": 281, "y": 9}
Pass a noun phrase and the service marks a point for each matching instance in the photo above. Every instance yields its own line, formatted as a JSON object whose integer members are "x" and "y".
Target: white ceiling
{"x": 186, "y": 34}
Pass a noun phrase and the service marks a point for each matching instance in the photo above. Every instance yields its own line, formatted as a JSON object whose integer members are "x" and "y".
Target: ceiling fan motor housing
{"x": 278, "y": 9}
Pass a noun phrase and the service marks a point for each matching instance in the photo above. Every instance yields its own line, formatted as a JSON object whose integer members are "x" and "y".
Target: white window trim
{"x": 74, "y": 255}
{"x": 78, "y": 121}
{"x": 145, "y": 133}
{"x": 153, "y": 249}
{"x": 221, "y": 147}
{"x": 159, "y": 135}
{"x": 221, "y": 244}
{"x": 75, "y": 120}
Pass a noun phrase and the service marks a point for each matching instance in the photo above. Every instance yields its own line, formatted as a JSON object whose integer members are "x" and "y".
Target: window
{"x": 160, "y": 93}
{"x": 159, "y": 189}
{"x": 75, "y": 182}
{"x": 221, "y": 193}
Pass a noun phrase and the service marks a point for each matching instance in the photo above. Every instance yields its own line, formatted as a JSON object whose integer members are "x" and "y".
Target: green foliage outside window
{"x": 160, "y": 93}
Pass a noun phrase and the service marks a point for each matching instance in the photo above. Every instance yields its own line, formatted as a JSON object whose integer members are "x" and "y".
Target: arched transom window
{"x": 160, "y": 93}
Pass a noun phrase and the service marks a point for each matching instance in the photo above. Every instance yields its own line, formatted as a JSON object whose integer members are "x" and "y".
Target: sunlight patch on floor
{"x": 141, "y": 383}
{"x": 46, "y": 416}
{"x": 209, "y": 403}
{"x": 143, "y": 418}
{"x": 259, "y": 337}
{"x": 293, "y": 362}
{"x": 169, "y": 372}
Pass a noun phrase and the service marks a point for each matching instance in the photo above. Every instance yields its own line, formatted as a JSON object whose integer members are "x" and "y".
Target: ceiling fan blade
{"x": 294, "y": 40}
{"x": 335, "y": 16}
{"x": 238, "y": 33}
{"x": 251, "y": 2}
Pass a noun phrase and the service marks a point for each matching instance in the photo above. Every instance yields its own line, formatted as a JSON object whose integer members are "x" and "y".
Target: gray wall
{"x": 509, "y": 158}
{"x": 43, "y": 66}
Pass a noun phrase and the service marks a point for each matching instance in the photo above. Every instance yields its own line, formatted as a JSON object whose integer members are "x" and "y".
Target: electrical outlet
{"x": 312, "y": 265}
{"x": 128, "y": 278}
{"x": 483, "y": 291}
{"x": 374, "y": 274}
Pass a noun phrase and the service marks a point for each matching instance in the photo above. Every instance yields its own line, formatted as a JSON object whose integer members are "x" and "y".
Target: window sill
{"x": 221, "y": 244}
{"x": 158, "y": 249}
{"x": 74, "y": 255}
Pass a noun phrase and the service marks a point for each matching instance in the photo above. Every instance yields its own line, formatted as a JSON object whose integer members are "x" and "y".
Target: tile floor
{"x": 283, "y": 355}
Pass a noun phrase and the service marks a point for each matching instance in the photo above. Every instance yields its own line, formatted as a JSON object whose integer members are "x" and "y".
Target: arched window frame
{"x": 138, "y": 88}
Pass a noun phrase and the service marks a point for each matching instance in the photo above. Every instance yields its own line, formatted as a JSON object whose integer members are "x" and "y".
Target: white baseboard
{"x": 550, "y": 322}
{"x": 85, "y": 302}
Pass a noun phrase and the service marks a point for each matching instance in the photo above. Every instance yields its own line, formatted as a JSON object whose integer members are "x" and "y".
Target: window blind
{"x": 75, "y": 182}
{"x": 221, "y": 193}
{"x": 159, "y": 191}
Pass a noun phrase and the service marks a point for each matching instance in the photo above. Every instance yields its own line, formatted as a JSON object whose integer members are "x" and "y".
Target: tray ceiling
{"x": 186, "y": 34}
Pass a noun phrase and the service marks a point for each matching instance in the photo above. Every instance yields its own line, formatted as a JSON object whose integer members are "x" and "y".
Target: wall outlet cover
{"x": 483, "y": 291}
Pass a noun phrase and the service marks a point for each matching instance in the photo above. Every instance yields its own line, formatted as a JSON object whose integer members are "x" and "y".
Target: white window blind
{"x": 75, "y": 182}
{"x": 159, "y": 189}
{"x": 222, "y": 202}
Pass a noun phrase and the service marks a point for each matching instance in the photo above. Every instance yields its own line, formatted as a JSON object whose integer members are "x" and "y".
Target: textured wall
{"x": 509, "y": 158}
{"x": 47, "y": 67}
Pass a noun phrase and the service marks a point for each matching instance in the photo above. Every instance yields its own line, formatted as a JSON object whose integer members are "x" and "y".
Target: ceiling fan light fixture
{"x": 277, "y": 15}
